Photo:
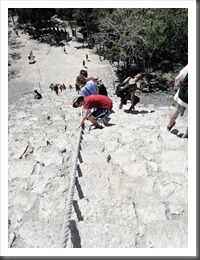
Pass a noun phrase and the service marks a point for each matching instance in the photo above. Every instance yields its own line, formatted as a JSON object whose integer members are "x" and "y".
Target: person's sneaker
{"x": 170, "y": 127}
{"x": 131, "y": 108}
{"x": 92, "y": 127}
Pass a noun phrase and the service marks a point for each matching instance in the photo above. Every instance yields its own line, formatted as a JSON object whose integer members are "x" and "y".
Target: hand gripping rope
{"x": 69, "y": 203}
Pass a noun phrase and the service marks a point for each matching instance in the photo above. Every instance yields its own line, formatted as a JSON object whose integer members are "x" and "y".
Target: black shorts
{"x": 100, "y": 112}
{"x": 125, "y": 99}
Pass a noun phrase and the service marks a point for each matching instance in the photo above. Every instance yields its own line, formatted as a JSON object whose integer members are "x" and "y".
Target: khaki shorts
{"x": 181, "y": 109}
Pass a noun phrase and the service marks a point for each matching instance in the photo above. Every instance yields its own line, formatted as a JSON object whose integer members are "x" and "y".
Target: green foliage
{"x": 148, "y": 38}
{"x": 65, "y": 13}
{"x": 36, "y": 17}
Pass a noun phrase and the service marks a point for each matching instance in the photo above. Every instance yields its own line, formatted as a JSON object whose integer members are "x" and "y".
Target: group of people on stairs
{"x": 97, "y": 104}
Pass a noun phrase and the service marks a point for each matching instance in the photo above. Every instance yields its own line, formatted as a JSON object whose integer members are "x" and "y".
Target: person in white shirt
{"x": 182, "y": 103}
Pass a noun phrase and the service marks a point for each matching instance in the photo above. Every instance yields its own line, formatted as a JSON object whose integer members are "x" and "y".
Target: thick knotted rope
{"x": 69, "y": 204}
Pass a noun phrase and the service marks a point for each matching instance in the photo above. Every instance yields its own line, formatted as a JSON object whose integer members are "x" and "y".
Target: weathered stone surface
{"x": 131, "y": 188}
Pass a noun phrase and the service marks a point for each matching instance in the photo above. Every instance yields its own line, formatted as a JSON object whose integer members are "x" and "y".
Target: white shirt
{"x": 182, "y": 75}
{"x": 183, "y": 72}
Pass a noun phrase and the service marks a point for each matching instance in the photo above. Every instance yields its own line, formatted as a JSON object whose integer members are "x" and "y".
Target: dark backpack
{"x": 122, "y": 88}
{"x": 102, "y": 90}
{"x": 183, "y": 91}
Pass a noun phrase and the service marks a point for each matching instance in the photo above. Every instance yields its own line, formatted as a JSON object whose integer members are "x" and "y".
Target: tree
{"x": 121, "y": 35}
{"x": 36, "y": 17}
{"x": 146, "y": 38}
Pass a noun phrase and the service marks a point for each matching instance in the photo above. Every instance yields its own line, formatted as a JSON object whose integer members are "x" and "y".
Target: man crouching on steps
{"x": 102, "y": 104}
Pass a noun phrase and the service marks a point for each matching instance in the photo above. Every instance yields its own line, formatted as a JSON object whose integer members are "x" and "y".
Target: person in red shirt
{"x": 102, "y": 104}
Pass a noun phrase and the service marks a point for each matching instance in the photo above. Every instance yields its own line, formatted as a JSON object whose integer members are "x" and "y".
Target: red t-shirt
{"x": 98, "y": 101}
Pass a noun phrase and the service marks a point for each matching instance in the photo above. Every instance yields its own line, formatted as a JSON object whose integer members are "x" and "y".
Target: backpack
{"x": 102, "y": 89}
{"x": 122, "y": 88}
{"x": 183, "y": 91}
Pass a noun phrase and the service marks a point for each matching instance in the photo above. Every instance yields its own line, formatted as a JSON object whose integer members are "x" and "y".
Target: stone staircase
{"x": 131, "y": 185}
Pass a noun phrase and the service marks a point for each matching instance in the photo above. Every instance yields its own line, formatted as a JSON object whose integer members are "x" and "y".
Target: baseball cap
{"x": 77, "y": 99}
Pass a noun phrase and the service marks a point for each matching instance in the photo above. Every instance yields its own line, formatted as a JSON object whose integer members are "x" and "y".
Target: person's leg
{"x": 94, "y": 121}
{"x": 179, "y": 110}
{"x": 185, "y": 135}
{"x": 173, "y": 118}
{"x": 104, "y": 121}
{"x": 122, "y": 102}
{"x": 132, "y": 101}
{"x": 100, "y": 114}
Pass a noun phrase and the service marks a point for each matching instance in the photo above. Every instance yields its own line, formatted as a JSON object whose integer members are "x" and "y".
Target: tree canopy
{"x": 146, "y": 38}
